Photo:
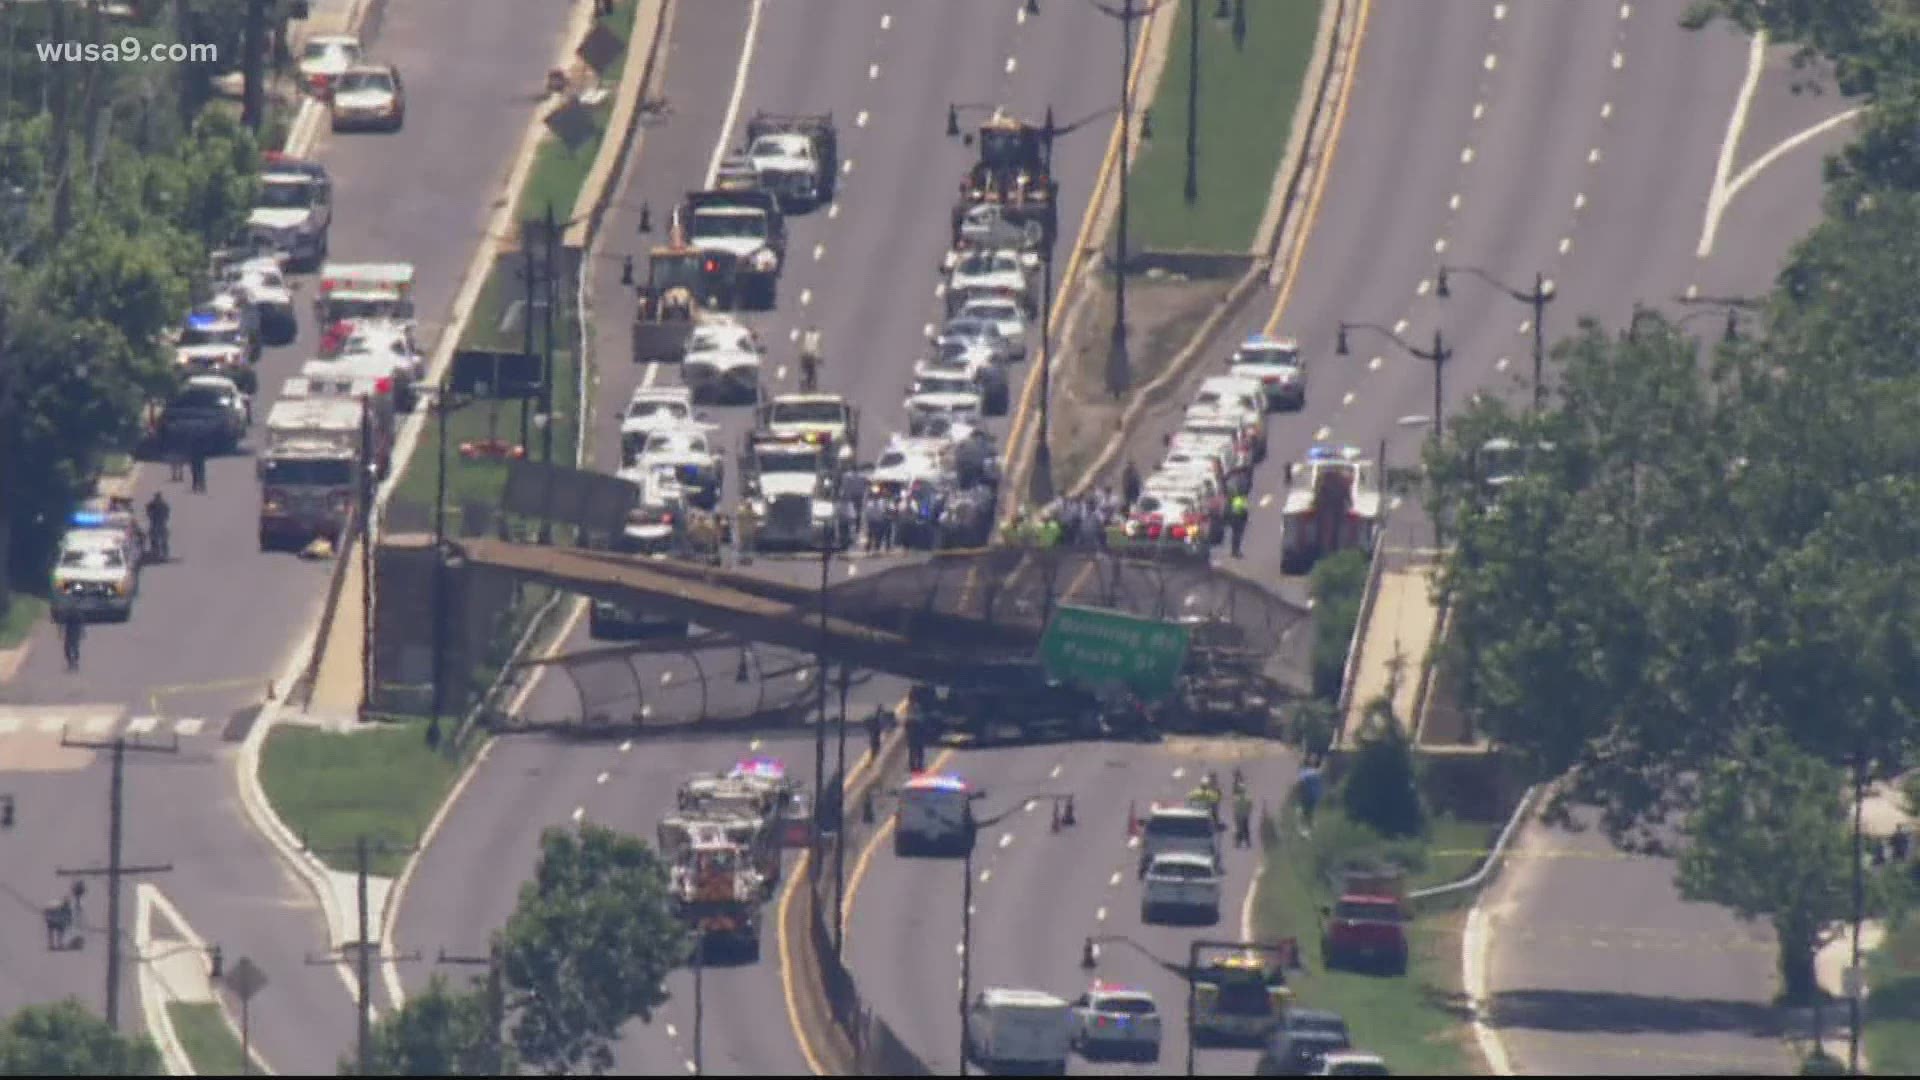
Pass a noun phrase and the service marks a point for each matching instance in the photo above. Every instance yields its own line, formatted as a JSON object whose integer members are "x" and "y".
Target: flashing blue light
{"x": 1255, "y": 341}
{"x": 88, "y": 519}
{"x": 938, "y": 782}
{"x": 203, "y": 321}
{"x": 1322, "y": 452}
{"x": 689, "y": 473}
{"x": 763, "y": 767}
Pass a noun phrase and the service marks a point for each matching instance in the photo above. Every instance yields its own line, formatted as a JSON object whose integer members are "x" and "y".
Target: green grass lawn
{"x": 382, "y": 782}
{"x": 24, "y": 612}
{"x": 1245, "y": 110}
{"x": 1410, "y": 1021}
{"x": 1893, "y": 1003}
{"x": 210, "y": 1044}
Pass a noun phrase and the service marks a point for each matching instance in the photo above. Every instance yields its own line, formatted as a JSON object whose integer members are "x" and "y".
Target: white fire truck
{"x": 716, "y": 887}
{"x": 364, "y": 291}
{"x": 309, "y": 470}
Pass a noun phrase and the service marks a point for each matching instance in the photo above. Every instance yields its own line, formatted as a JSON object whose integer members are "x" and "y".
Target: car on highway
{"x": 325, "y": 57}
{"x": 986, "y": 225}
{"x": 1170, "y": 827}
{"x": 215, "y": 343}
{"x": 1352, "y": 1063}
{"x": 97, "y": 573}
{"x": 293, "y": 211}
{"x": 1238, "y": 397}
{"x": 907, "y": 461}
{"x": 1274, "y": 363}
{"x": 1210, "y": 423}
{"x": 933, "y": 816}
{"x": 723, "y": 363}
{"x": 261, "y": 283}
{"x": 368, "y": 96}
{"x": 953, "y": 395}
{"x": 1000, "y": 271}
{"x": 786, "y": 162}
{"x": 1004, "y": 315}
{"x": 1219, "y": 456}
{"x": 1180, "y": 883}
{"x": 1112, "y": 1020}
{"x": 1303, "y": 1040}
{"x": 979, "y": 367}
{"x": 208, "y": 411}
{"x": 697, "y": 464}
{"x": 652, "y": 409}
{"x": 1190, "y": 483}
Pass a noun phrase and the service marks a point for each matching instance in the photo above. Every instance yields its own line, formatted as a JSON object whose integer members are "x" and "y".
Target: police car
{"x": 98, "y": 570}
{"x": 1112, "y": 1020}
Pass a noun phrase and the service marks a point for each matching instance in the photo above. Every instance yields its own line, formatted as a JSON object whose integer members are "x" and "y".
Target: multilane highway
{"x": 864, "y": 272}
{"x": 212, "y": 626}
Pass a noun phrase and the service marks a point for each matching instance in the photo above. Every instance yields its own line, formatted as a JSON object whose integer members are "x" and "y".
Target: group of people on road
{"x": 1208, "y": 796}
{"x": 1097, "y": 518}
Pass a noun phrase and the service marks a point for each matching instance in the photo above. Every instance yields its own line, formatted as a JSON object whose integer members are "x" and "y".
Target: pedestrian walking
{"x": 876, "y": 721}
{"x": 72, "y": 629}
{"x": 1237, "y": 511}
{"x": 873, "y": 514}
{"x": 1309, "y": 786}
{"x": 916, "y": 744}
{"x": 199, "y": 467}
{"x": 1130, "y": 485}
{"x": 1242, "y": 818}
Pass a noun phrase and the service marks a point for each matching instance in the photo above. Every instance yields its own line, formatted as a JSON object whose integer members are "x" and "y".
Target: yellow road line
{"x": 153, "y": 698}
{"x": 1299, "y": 251}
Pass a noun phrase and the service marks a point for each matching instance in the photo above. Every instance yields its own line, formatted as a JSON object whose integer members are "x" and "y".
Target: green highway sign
{"x": 1101, "y": 649}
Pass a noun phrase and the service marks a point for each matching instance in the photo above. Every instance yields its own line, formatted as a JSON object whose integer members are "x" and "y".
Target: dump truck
{"x": 748, "y": 228}
{"x": 1333, "y": 503}
{"x": 716, "y": 888}
{"x": 1015, "y": 172}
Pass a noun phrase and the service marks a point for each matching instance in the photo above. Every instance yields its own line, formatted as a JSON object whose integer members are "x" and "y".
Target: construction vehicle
{"x": 716, "y": 888}
{"x": 1015, "y": 172}
{"x": 681, "y": 282}
{"x": 1240, "y": 999}
{"x": 748, "y": 227}
{"x": 824, "y": 419}
{"x": 1333, "y": 503}
{"x": 796, "y": 157}
{"x": 310, "y": 470}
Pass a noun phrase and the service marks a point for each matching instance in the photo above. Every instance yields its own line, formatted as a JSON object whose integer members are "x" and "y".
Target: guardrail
{"x": 1351, "y": 671}
{"x": 1439, "y": 897}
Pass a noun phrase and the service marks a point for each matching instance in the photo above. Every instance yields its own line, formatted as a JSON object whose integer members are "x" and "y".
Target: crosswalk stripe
{"x": 189, "y": 726}
{"x": 9, "y": 725}
{"x": 98, "y": 725}
{"x": 51, "y": 725}
{"x": 140, "y": 725}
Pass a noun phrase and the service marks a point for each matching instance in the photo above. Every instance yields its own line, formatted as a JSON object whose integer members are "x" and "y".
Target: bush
{"x": 1337, "y": 585}
{"x": 1382, "y": 787}
{"x": 1821, "y": 1063}
{"x": 1341, "y": 844}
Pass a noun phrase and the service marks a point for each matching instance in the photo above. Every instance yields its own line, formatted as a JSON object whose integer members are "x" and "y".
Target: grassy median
{"x": 1413, "y": 1021}
{"x": 1248, "y": 93}
{"x": 1892, "y": 1026}
{"x": 379, "y": 781}
{"x": 209, "y": 1042}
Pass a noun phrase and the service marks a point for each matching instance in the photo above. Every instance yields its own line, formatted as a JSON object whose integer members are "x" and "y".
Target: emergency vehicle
{"x": 934, "y": 814}
{"x": 1333, "y": 503}
{"x": 364, "y": 291}
{"x": 716, "y": 889}
{"x": 309, "y": 469}
{"x": 375, "y": 393}
{"x": 98, "y": 569}
{"x": 1239, "y": 999}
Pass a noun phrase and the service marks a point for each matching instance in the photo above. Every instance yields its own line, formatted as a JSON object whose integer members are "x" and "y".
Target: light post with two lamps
{"x": 1437, "y": 356}
{"x": 1537, "y": 298}
{"x": 1730, "y": 310}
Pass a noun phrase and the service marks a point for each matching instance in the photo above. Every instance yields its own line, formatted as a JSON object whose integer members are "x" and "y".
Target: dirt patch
{"x": 1161, "y": 317}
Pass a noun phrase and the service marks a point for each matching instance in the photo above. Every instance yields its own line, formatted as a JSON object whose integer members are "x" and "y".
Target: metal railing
{"x": 1350, "y": 672}
{"x": 1439, "y": 897}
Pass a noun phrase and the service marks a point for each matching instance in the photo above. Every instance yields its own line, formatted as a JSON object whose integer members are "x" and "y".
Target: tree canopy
{"x": 440, "y": 1031}
{"x": 588, "y": 947}
{"x": 65, "y": 1039}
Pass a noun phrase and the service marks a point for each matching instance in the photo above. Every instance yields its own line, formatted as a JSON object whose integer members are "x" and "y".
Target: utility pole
{"x": 495, "y": 963}
{"x": 528, "y": 277}
{"x": 820, "y": 724}
{"x": 1854, "y": 987}
{"x": 365, "y": 949}
{"x": 442, "y": 405}
{"x": 1041, "y": 487}
{"x": 699, "y": 1002}
{"x": 840, "y": 840}
{"x": 116, "y": 868}
{"x": 369, "y": 489}
{"x": 60, "y": 114}
{"x": 1193, "y": 102}
{"x": 1119, "y": 367}
{"x": 253, "y": 89}
{"x": 552, "y": 241}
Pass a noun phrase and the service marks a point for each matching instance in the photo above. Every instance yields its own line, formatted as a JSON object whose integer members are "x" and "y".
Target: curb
{"x": 1305, "y": 153}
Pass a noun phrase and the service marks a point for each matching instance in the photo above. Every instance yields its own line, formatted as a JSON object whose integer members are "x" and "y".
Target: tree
{"x": 438, "y": 1032}
{"x": 64, "y": 1039}
{"x": 1338, "y": 586}
{"x": 588, "y": 947}
{"x": 1382, "y": 786}
{"x": 1770, "y": 841}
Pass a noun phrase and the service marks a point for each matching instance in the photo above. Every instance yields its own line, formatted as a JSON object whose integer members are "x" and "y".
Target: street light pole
{"x": 442, "y": 404}
{"x": 840, "y": 840}
{"x": 820, "y": 724}
{"x": 966, "y": 953}
{"x": 1193, "y": 102}
{"x": 1537, "y": 298}
{"x": 1119, "y": 368}
{"x": 1042, "y": 484}
{"x": 1438, "y": 357}
{"x": 1853, "y": 987}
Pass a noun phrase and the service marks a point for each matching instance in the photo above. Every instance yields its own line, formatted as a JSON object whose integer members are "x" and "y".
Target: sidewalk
{"x": 338, "y": 685}
{"x": 1397, "y": 636}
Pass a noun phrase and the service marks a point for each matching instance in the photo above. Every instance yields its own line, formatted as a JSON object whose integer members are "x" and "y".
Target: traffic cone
{"x": 1066, "y": 816}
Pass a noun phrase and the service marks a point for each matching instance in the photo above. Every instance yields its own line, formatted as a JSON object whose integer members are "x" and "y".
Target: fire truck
{"x": 756, "y": 791}
{"x": 309, "y": 470}
{"x": 716, "y": 887}
{"x": 1333, "y": 503}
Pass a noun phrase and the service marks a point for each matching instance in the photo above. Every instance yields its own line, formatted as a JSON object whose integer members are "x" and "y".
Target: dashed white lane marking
{"x": 1322, "y": 434}
{"x": 11, "y": 724}
{"x": 1606, "y": 109}
{"x": 601, "y": 779}
{"x": 1693, "y": 291}
{"x": 1490, "y": 62}
{"x": 1374, "y": 364}
{"x": 1479, "y": 109}
{"x": 1580, "y": 200}
{"x": 1348, "y": 399}
{"x": 1400, "y": 327}
{"x": 873, "y": 71}
{"x": 1453, "y": 201}
{"x": 1394, "y": 503}
{"x": 940, "y": 290}
{"x": 666, "y": 677}
{"x": 1626, "y": 10}
{"x": 1525, "y": 325}
{"x": 927, "y": 330}
{"x": 1115, "y": 879}
{"x": 1054, "y": 773}
{"x": 671, "y": 1033}
{"x": 1466, "y": 155}
{"x": 1027, "y": 807}
{"x": 626, "y": 746}
{"x": 860, "y": 118}
{"x": 51, "y": 725}
{"x": 97, "y": 726}
{"x": 806, "y": 297}
{"x": 1619, "y": 60}
{"x": 1012, "y": 63}
{"x": 886, "y": 22}
{"x": 1100, "y": 915}
{"x": 1006, "y": 839}
{"x": 578, "y": 813}
{"x": 189, "y": 727}
{"x": 1499, "y": 11}
{"x": 986, "y": 876}
{"x": 959, "y": 948}
{"x": 1421, "y": 289}
{"x": 139, "y": 725}
{"x": 846, "y": 167}
{"x": 646, "y": 712}
{"x": 1593, "y": 156}
{"x": 1440, "y": 245}
{"x": 753, "y": 746}
{"x": 1500, "y": 364}
{"x": 1133, "y": 842}
{"x": 693, "y": 1066}
{"x": 819, "y": 252}
{"x": 1566, "y": 244}
{"x": 1266, "y": 500}
{"x": 1179, "y": 772}
{"x": 833, "y": 211}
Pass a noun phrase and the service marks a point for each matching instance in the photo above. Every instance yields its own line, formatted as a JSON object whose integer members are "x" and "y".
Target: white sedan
{"x": 326, "y": 57}
{"x": 695, "y": 462}
{"x": 1117, "y": 1021}
{"x": 1001, "y": 271}
{"x": 954, "y": 396}
{"x": 723, "y": 363}
{"x": 1004, "y": 316}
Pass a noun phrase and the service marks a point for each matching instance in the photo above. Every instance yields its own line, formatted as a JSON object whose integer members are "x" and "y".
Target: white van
{"x": 1020, "y": 1032}
{"x": 933, "y": 815}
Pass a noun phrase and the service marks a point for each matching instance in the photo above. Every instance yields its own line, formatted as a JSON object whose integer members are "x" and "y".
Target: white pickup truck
{"x": 1183, "y": 882}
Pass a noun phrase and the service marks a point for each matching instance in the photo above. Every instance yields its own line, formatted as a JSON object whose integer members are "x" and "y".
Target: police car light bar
{"x": 938, "y": 782}
{"x": 88, "y": 518}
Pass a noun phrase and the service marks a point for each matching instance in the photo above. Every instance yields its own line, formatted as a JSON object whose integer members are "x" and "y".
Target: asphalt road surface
{"x": 864, "y": 273}
{"x": 212, "y": 626}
